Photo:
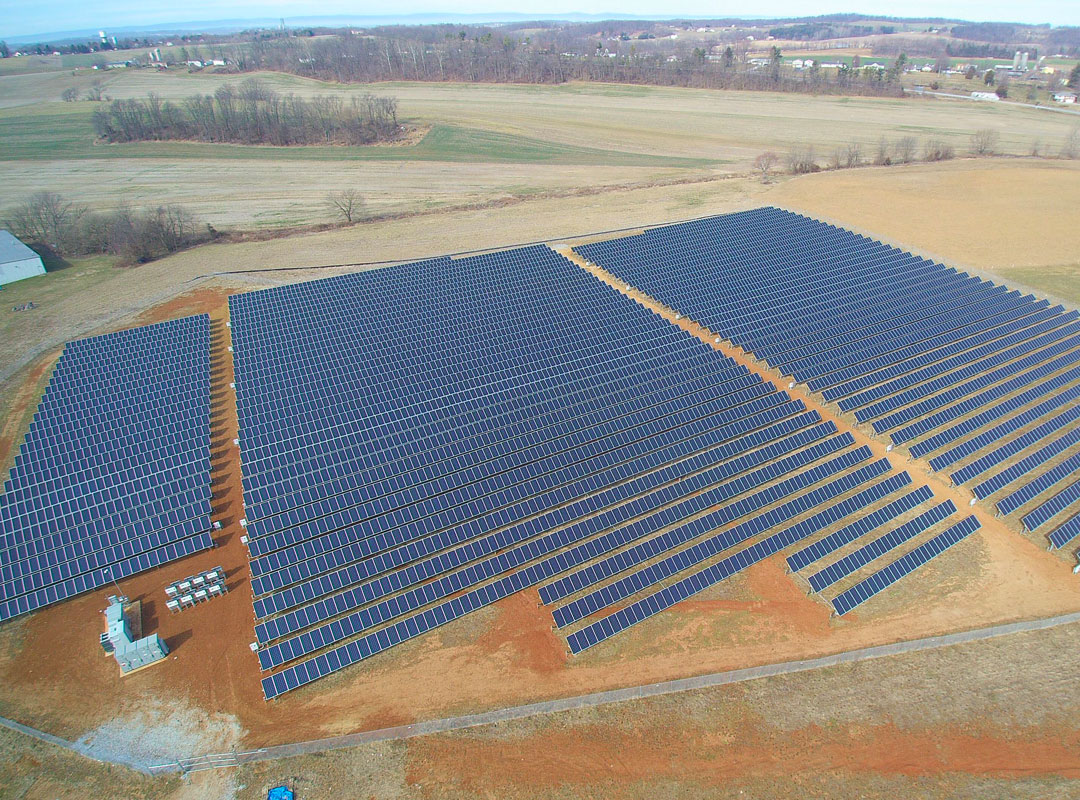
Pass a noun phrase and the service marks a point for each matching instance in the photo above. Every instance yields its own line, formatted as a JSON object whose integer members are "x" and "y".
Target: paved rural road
{"x": 221, "y": 760}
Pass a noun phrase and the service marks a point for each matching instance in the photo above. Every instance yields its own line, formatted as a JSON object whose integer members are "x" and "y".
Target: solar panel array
{"x": 113, "y": 477}
{"x": 978, "y": 378}
{"x": 421, "y": 441}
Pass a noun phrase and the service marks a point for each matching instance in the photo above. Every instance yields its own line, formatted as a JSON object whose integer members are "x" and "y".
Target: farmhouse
{"x": 17, "y": 261}
{"x": 1065, "y": 97}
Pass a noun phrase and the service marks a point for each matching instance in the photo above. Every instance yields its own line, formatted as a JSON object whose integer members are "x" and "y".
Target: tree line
{"x": 802, "y": 159}
{"x": 253, "y": 114}
{"x": 49, "y": 220}
{"x": 556, "y": 56}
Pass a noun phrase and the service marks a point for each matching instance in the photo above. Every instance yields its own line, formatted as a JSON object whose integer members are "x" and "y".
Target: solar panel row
{"x": 973, "y": 423}
{"x": 1017, "y": 445}
{"x": 998, "y": 432}
{"x": 443, "y": 587}
{"x": 865, "y": 390}
{"x": 906, "y": 564}
{"x": 402, "y": 470}
{"x": 878, "y": 547}
{"x": 631, "y": 584}
{"x": 859, "y": 528}
{"x": 481, "y": 546}
{"x": 1023, "y": 468}
{"x": 1047, "y": 510}
{"x": 113, "y": 477}
{"x": 618, "y": 484}
{"x": 933, "y": 357}
{"x": 1068, "y": 531}
{"x": 608, "y": 626}
{"x": 376, "y": 501}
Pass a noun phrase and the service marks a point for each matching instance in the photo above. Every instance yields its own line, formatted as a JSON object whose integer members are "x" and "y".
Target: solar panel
{"x": 1065, "y": 533}
{"x": 402, "y": 470}
{"x": 1047, "y": 510}
{"x": 608, "y": 626}
{"x": 1023, "y": 468}
{"x": 880, "y": 546}
{"x": 848, "y": 534}
{"x": 937, "y": 359}
{"x": 906, "y": 564}
{"x": 113, "y": 477}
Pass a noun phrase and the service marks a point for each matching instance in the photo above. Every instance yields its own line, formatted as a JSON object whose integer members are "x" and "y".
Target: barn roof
{"x": 11, "y": 249}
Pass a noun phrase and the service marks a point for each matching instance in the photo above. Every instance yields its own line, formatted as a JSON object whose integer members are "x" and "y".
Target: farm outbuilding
{"x": 17, "y": 261}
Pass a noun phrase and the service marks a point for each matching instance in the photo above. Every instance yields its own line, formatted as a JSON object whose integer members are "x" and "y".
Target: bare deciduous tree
{"x": 801, "y": 159}
{"x": 251, "y": 114}
{"x": 764, "y": 164}
{"x": 95, "y": 93}
{"x": 984, "y": 142}
{"x": 46, "y": 217}
{"x": 881, "y": 154}
{"x": 345, "y": 204}
{"x": 904, "y": 150}
{"x": 1070, "y": 148}
{"x": 70, "y": 95}
{"x": 853, "y": 155}
{"x": 937, "y": 150}
{"x": 68, "y": 228}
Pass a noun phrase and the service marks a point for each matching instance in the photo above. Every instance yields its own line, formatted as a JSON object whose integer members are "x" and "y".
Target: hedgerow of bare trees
{"x": 251, "y": 114}
{"x": 1070, "y": 148}
{"x": 801, "y": 160}
{"x": 938, "y": 149}
{"x": 904, "y": 150}
{"x": 548, "y": 55}
{"x": 67, "y": 228}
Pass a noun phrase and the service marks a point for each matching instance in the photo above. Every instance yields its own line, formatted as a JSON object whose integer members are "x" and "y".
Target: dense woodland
{"x": 251, "y": 114}
{"x": 441, "y": 53}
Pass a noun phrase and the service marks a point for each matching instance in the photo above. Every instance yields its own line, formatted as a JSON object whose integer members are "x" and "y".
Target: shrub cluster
{"x": 135, "y": 236}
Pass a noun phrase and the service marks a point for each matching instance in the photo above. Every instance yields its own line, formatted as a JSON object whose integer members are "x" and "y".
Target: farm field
{"x": 1013, "y": 229}
{"x": 482, "y": 140}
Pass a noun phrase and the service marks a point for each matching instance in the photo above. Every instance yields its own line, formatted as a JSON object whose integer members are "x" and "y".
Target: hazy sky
{"x": 19, "y": 17}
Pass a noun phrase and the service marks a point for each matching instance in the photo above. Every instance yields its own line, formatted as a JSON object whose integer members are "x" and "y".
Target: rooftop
{"x": 11, "y": 249}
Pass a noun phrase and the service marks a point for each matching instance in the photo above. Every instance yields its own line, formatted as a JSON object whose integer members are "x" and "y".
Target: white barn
{"x": 17, "y": 261}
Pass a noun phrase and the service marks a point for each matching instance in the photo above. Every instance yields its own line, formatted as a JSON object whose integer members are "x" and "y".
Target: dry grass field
{"x": 484, "y": 141}
{"x": 1016, "y": 219}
